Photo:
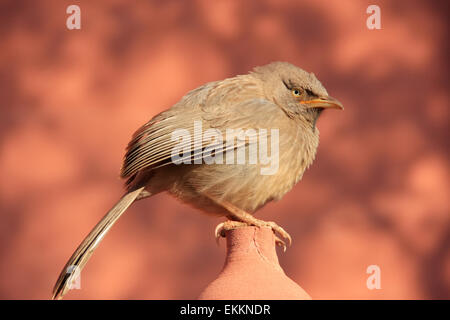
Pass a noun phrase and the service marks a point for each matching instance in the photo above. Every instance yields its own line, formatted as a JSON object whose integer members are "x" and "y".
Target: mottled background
{"x": 70, "y": 100}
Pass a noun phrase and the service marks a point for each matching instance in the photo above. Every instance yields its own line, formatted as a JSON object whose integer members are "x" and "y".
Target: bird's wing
{"x": 245, "y": 124}
{"x": 253, "y": 113}
{"x": 153, "y": 144}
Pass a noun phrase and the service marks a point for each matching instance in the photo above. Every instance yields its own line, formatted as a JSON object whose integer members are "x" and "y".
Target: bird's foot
{"x": 277, "y": 230}
{"x": 227, "y": 225}
{"x": 240, "y": 218}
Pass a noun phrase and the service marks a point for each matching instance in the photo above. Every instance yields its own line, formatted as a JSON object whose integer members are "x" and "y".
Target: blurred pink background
{"x": 378, "y": 192}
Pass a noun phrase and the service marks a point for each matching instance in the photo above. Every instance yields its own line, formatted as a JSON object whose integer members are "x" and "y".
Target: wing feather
{"x": 152, "y": 145}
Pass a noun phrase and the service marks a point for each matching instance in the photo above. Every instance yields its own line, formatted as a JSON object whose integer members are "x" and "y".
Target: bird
{"x": 278, "y": 101}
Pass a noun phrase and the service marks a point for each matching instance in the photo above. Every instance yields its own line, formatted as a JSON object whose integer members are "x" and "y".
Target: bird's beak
{"x": 326, "y": 102}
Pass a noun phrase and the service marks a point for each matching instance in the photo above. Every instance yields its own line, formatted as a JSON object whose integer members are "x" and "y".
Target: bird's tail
{"x": 84, "y": 251}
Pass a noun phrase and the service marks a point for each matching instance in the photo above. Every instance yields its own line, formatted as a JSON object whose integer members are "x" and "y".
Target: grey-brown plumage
{"x": 275, "y": 96}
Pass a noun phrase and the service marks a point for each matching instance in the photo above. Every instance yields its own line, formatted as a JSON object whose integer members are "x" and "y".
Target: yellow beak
{"x": 327, "y": 102}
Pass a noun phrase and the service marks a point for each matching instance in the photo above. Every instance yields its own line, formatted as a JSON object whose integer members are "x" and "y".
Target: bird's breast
{"x": 248, "y": 186}
{"x": 297, "y": 153}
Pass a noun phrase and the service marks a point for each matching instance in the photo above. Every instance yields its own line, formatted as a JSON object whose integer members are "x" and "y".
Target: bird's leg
{"x": 240, "y": 218}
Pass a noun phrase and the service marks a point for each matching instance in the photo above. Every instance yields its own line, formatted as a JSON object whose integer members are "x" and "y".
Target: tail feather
{"x": 84, "y": 251}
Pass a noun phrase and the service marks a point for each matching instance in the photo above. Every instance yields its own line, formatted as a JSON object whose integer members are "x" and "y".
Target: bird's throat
{"x": 312, "y": 115}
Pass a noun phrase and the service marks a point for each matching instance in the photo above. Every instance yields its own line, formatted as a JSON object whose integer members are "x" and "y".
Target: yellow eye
{"x": 296, "y": 92}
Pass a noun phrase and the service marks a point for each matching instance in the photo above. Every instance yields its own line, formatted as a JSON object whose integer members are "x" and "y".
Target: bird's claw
{"x": 277, "y": 230}
{"x": 280, "y": 231}
{"x": 280, "y": 243}
{"x": 225, "y": 226}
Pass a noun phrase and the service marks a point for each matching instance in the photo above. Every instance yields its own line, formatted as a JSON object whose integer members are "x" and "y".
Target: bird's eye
{"x": 296, "y": 92}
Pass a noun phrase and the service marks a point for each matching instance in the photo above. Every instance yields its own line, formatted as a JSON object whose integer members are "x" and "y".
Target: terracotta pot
{"x": 252, "y": 270}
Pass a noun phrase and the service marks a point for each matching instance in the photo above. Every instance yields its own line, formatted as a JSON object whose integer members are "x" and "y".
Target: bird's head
{"x": 297, "y": 92}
